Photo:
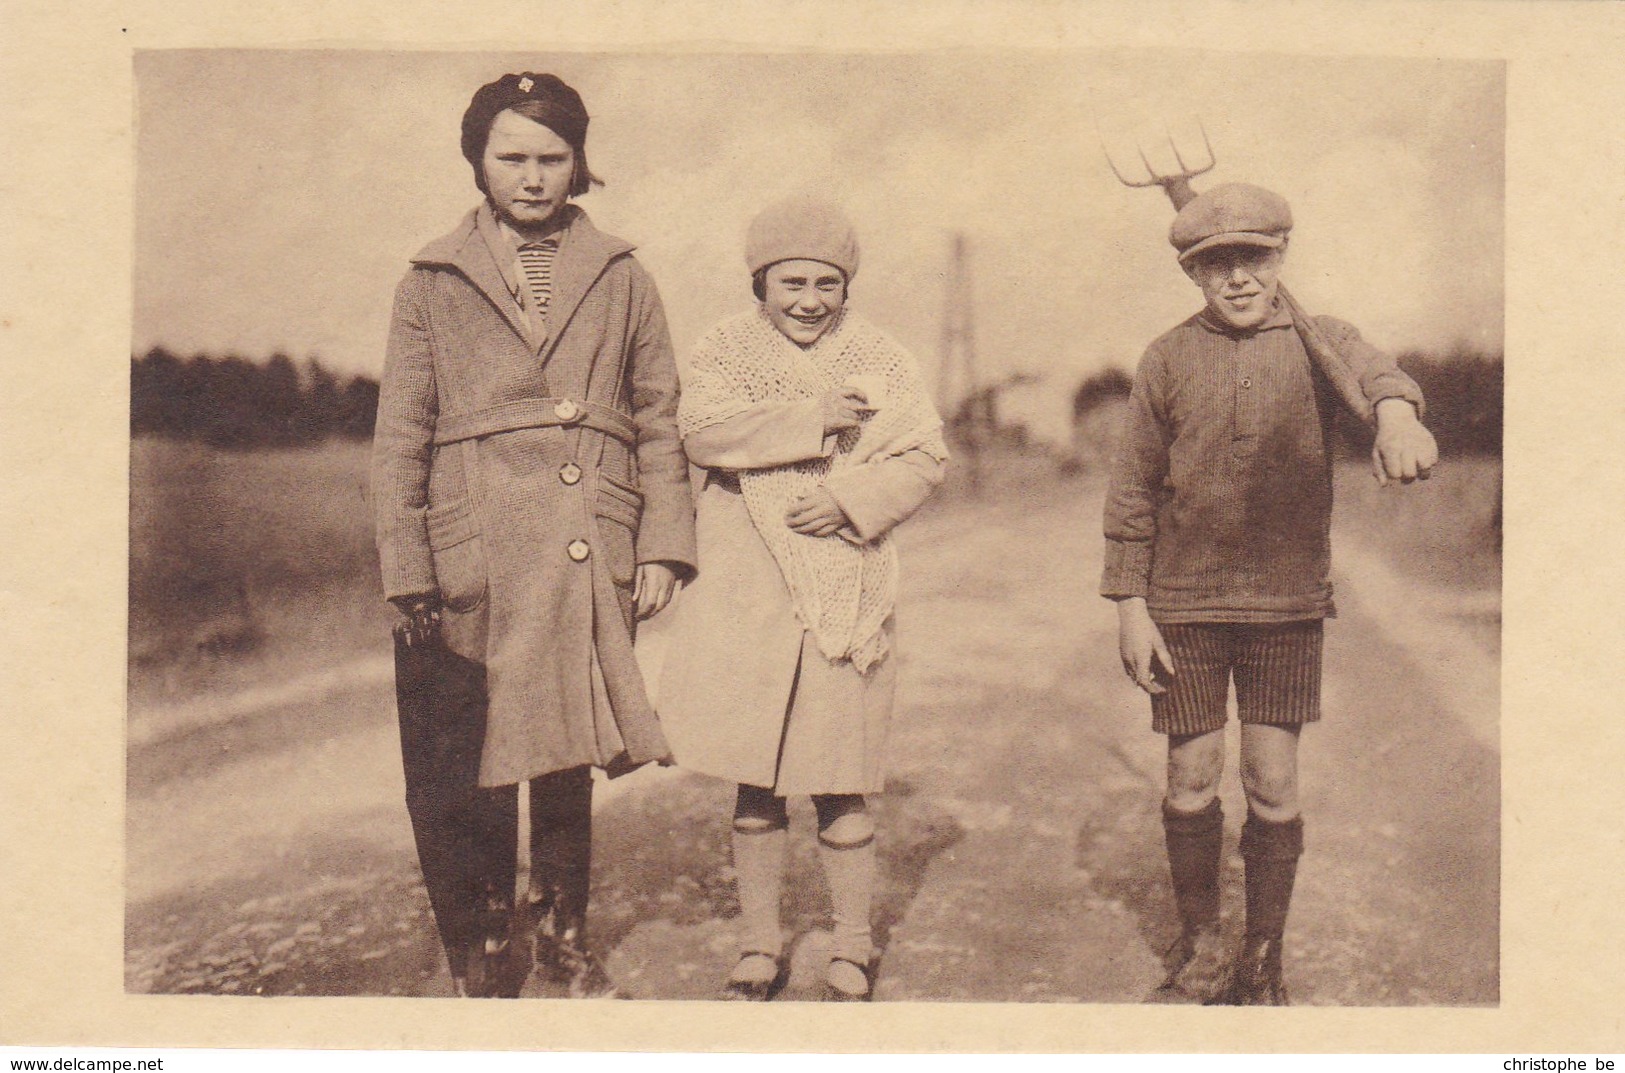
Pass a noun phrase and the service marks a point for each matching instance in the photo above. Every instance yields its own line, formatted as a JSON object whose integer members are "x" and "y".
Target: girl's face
{"x": 803, "y": 298}
{"x": 528, "y": 169}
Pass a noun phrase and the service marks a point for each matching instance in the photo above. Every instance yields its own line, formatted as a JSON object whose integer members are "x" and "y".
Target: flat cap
{"x": 802, "y": 228}
{"x": 1231, "y": 214}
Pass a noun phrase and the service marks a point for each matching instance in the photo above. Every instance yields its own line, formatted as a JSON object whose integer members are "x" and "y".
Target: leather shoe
{"x": 1198, "y": 970}
{"x": 1257, "y": 977}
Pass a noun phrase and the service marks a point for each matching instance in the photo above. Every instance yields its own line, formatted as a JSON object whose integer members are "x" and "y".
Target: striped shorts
{"x": 1276, "y": 668}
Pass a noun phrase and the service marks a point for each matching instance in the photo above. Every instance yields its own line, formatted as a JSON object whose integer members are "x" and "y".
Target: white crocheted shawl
{"x": 843, "y": 590}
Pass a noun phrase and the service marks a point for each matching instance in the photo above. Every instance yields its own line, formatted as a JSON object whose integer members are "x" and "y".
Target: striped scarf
{"x": 536, "y": 261}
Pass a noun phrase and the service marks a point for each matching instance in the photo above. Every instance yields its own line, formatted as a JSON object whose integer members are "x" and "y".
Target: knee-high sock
{"x": 760, "y": 837}
{"x": 759, "y": 874}
{"x": 1270, "y": 851}
{"x": 1194, "y": 840}
{"x": 850, "y": 870}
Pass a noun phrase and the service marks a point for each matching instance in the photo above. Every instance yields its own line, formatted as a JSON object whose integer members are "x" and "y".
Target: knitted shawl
{"x": 843, "y": 590}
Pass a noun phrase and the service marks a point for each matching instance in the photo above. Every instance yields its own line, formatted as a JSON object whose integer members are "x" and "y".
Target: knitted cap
{"x": 1231, "y": 214}
{"x": 565, "y": 115}
{"x": 802, "y": 229}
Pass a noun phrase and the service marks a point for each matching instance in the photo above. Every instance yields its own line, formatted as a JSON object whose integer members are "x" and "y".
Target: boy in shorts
{"x": 1218, "y": 553}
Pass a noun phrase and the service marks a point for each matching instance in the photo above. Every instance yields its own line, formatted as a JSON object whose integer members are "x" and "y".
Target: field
{"x": 247, "y": 567}
{"x": 255, "y": 567}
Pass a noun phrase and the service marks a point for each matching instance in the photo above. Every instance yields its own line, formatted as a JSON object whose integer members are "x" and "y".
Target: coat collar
{"x": 584, "y": 253}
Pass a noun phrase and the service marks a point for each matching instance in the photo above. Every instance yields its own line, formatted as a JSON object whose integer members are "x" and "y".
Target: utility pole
{"x": 958, "y": 393}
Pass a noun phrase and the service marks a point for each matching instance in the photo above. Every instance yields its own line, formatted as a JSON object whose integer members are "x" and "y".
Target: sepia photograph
{"x": 874, "y": 528}
{"x": 827, "y": 538}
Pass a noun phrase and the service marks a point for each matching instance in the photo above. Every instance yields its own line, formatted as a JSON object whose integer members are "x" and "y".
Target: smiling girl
{"x": 817, "y": 439}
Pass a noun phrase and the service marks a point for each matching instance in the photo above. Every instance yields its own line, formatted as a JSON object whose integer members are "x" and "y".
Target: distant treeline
{"x": 234, "y": 402}
{"x": 1463, "y": 392}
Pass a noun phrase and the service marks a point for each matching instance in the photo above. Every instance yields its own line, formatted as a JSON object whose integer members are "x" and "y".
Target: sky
{"x": 279, "y": 194}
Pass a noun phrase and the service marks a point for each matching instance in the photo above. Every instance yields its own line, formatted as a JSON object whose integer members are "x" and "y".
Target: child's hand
{"x": 420, "y": 622}
{"x": 843, "y": 409}
{"x": 816, "y": 514}
{"x": 1140, "y": 644}
{"x": 1405, "y": 449}
{"x": 655, "y": 585}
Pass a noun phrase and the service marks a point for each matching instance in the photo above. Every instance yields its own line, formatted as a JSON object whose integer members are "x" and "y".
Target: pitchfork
{"x": 1177, "y": 185}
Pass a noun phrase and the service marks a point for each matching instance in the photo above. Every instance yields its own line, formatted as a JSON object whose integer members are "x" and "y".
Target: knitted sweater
{"x": 1220, "y": 502}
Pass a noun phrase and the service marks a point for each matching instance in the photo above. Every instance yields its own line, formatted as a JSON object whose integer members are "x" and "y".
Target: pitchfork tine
{"x": 1185, "y": 170}
{"x": 1112, "y": 164}
{"x": 1149, "y": 170}
{"x": 1176, "y": 184}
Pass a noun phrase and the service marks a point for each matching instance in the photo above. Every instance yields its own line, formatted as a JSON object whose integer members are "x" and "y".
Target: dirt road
{"x": 1021, "y": 848}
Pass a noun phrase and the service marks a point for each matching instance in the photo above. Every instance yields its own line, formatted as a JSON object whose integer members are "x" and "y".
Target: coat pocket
{"x": 459, "y": 556}
{"x": 620, "y": 508}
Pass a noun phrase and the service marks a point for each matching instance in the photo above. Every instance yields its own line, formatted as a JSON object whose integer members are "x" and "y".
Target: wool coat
{"x": 523, "y": 478}
{"x": 746, "y": 694}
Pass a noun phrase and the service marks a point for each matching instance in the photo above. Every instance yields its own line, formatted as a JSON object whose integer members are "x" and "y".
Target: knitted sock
{"x": 846, "y": 848}
{"x": 759, "y": 873}
{"x": 1193, "y": 840}
{"x": 759, "y": 842}
{"x": 493, "y": 842}
{"x": 1271, "y": 851}
{"x": 850, "y": 871}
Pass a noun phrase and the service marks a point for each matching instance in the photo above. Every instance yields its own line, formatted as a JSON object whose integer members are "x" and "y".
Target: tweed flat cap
{"x": 802, "y": 229}
{"x": 1231, "y": 214}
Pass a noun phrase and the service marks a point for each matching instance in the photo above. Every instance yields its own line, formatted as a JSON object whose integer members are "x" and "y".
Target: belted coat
{"x": 523, "y": 479}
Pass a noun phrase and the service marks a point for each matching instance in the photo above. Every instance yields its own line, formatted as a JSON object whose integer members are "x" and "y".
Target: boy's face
{"x": 1239, "y": 282}
{"x": 527, "y": 171}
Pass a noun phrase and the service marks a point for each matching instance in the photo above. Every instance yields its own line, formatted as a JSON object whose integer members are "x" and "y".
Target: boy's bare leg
{"x": 1271, "y": 843}
{"x": 1193, "y": 826}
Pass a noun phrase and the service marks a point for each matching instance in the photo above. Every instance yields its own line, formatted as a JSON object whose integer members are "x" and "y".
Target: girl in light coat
{"x": 532, "y": 505}
{"x": 817, "y": 439}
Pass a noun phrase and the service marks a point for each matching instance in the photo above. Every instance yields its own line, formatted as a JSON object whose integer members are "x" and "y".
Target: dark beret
{"x": 565, "y": 115}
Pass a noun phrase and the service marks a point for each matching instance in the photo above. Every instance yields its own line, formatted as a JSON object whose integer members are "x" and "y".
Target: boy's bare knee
{"x": 852, "y": 829}
{"x": 1271, "y": 787}
{"x": 1269, "y": 771}
{"x": 1274, "y": 801}
{"x": 1195, "y": 766}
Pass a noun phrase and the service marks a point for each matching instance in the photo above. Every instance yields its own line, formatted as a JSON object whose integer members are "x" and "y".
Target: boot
{"x": 497, "y": 965}
{"x": 1199, "y": 970}
{"x": 1257, "y": 977}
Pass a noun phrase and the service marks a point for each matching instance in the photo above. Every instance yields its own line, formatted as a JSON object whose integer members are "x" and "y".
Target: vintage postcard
{"x": 1019, "y": 517}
